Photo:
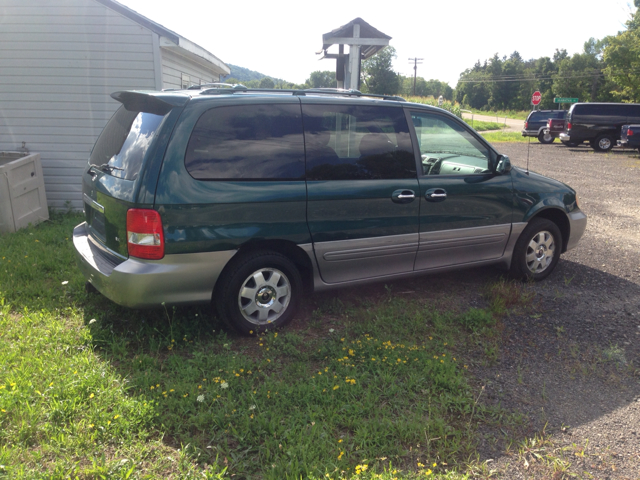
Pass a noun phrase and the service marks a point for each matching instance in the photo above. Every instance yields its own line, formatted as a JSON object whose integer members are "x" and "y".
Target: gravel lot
{"x": 573, "y": 367}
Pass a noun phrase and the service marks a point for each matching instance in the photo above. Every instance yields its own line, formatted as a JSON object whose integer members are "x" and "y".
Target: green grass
{"x": 479, "y": 126}
{"x": 365, "y": 389}
{"x": 515, "y": 114}
{"x": 506, "y": 137}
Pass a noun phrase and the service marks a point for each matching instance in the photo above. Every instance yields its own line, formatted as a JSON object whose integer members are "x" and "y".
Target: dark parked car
{"x": 630, "y": 136}
{"x": 536, "y": 124}
{"x": 248, "y": 199}
{"x": 599, "y": 124}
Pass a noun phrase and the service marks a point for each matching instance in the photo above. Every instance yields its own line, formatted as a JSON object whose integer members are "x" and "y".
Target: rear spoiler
{"x": 150, "y": 102}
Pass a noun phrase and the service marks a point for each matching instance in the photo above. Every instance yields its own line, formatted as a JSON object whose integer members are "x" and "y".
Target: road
{"x": 512, "y": 125}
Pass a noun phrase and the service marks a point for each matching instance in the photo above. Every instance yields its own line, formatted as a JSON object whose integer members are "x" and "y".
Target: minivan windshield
{"x": 121, "y": 147}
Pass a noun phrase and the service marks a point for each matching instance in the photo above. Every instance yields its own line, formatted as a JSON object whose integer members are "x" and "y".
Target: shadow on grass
{"x": 550, "y": 365}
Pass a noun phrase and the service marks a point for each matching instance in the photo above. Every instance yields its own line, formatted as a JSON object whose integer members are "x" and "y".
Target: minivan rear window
{"x": 247, "y": 142}
{"x": 124, "y": 142}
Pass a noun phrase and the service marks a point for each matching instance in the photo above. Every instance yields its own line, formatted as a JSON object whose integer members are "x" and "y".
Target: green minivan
{"x": 251, "y": 198}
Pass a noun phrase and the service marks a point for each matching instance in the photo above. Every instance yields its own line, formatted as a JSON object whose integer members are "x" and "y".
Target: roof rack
{"x": 225, "y": 86}
{"x": 231, "y": 89}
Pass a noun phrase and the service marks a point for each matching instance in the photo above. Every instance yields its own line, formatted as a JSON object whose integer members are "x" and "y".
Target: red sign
{"x": 535, "y": 98}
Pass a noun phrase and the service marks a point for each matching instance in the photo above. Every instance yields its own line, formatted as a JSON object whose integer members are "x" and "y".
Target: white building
{"x": 59, "y": 62}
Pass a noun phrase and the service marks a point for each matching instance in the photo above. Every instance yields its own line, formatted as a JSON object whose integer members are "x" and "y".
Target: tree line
{"x": 607, "y": 70}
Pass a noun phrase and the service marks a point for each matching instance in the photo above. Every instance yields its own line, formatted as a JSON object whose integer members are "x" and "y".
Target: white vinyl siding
{"x": 175, "y": 65}
{"x": 59, "y": 62}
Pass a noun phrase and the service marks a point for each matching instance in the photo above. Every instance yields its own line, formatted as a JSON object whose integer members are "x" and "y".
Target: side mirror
{"x": 504, "y": 165}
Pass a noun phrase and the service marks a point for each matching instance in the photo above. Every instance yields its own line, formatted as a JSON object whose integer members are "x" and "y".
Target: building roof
{"x": 378, "y": 39}
{"x": 170, "y": 39}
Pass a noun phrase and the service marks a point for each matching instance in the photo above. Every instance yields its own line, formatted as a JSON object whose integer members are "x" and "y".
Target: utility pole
{"x": 416, "y": 62}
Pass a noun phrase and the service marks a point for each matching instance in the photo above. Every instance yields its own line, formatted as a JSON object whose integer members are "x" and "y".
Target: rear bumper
{"x": 628, "y": 144}
{"x": 176, "y": 279}
{"x": 577, "y": 226}
{"x": 530, "y": 133}
{"x": 565, "y": 137}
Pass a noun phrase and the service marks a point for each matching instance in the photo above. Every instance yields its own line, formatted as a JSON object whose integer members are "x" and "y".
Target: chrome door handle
{"x": 435, "y": 195}
{"x": 403, "y": 196}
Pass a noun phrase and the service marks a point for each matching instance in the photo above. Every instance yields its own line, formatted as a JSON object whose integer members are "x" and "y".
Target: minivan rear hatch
{"x": 124, "y": 165}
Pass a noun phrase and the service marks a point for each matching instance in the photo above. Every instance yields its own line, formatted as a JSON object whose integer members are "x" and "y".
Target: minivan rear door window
{"x": 124, "y": 142}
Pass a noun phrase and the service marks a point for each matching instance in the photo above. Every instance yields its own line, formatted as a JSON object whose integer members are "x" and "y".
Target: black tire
{"x": 537, "y": 251}
{"x": 570, "y": 144}
{"x": 259, "y": 291}
{"x": 89, "y": 288}
{"x": 545, "y": 139}
{"x": 603, "y": 143}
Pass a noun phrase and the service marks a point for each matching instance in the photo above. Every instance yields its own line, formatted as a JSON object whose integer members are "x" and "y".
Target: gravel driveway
{"x": 574, "y": 367}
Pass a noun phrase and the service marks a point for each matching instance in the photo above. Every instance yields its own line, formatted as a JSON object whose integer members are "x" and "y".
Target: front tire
{"x": 537, "y": 251}
{"x": 603, "y": 143}
{"x": 258, "y": 291}
{"x": 545, "y": 138}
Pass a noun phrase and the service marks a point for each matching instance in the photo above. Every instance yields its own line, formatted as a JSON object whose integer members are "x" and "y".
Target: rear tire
{"x": 537, "y": 251}
{"x": 603, "y": 143}
{"x": 259, "y": 291}
{"x": 545, "y": 138}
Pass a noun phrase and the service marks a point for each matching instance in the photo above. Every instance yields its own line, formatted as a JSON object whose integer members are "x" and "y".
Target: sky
{"x": 280, "y": 39}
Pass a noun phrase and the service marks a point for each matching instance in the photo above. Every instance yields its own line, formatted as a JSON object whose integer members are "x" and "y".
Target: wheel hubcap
{"x": 605, "y": 144}
{"x": 264, "y": 296}
{"x": 540, "y": 252}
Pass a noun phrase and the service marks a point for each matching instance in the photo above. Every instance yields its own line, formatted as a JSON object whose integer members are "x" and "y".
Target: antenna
{"x": 528, "y": 148}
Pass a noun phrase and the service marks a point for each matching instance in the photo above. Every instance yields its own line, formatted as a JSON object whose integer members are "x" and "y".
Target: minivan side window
{"x": 247, "y": 142}
{"x": 448, "y": 148}
{"x": 124, "y": 143}
{"x": 349, "y": 142}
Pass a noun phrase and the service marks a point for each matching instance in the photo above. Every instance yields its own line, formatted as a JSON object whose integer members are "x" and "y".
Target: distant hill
{"x": 244, "y": 74}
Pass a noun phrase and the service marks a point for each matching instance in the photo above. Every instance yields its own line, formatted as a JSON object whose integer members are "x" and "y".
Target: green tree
{"x": 266, "y": 82}
{"x": 377, "y": 73}
{"x": 622, "y": 58}
{"x": 322, "y": 79}
{"x": 473, "y": 87}
{"x": 581, "y": 75}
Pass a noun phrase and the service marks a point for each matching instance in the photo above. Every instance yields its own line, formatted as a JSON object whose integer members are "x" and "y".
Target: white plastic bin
{"x": 22, "y": 195}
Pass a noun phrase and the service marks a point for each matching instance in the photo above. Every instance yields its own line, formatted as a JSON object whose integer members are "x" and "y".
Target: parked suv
{"x": 536, "y": 124}
{"x": 249, "y": 198}
{"x": 598, "y": 123}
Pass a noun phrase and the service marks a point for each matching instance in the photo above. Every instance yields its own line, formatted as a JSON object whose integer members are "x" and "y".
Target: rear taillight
{"x": 568, "y": 125}
{"x": 629, "y": 132}
{"x": 144, "y": 234}
{"x": 526, "y": 125}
